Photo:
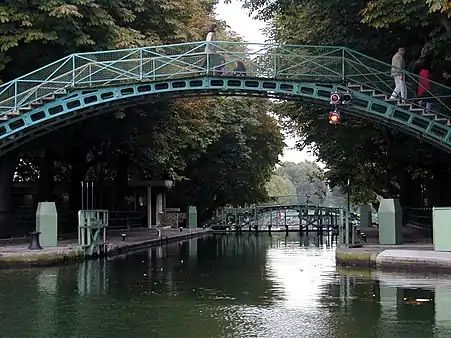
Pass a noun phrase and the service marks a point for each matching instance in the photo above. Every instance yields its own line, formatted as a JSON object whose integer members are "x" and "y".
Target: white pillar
{"x": 149, "y": 207}
{"x": 158, "y": 208}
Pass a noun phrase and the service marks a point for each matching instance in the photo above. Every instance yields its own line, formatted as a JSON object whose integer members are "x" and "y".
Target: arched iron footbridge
{"x": 82, "y": 85}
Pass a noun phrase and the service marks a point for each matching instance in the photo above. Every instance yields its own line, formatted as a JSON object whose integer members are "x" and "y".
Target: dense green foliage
{"x": 280, "y": 186}
{"x": 373, "y": 157}
{"x": 304, "y": 179}
{"x": 218, "y": 150}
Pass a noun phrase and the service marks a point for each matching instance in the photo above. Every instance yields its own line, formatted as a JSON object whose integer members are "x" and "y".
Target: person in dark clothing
{"x": 220, "y": 70}
{"x": 240, "y": 69}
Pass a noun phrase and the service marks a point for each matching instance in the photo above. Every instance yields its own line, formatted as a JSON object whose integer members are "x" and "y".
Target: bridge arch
{"x": 32, "y": 113}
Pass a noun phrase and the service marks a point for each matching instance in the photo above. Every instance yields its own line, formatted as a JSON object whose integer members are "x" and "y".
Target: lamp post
{"x": 349, "y": 195}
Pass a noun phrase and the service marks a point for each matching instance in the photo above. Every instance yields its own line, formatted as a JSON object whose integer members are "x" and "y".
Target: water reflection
{"x": 223, "y": 286}
{"x": 388, "y": 304}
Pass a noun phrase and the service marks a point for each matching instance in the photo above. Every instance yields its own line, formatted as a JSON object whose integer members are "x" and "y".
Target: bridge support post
{"x": 158, "y": 209}
{"x": 149, "y": 207}
{"x": 256, "y": 218}
{"x": 192, "y": 217}
{"x": 47, "y": 223}
{"x": 390, "y": 221}
{"x": 366, "y": 217}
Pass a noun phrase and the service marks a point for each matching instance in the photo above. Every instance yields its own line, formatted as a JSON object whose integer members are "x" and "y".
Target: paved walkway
{"x": 67, "y": 250}
{"x": 415, "y": 254}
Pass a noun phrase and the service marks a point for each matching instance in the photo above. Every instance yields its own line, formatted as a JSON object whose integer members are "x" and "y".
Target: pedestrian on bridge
{"x": 397, "y": 73}
{"x": 211, "y": 54}
{"x": 240, "y": 69}
{"x": 424, "y": 85}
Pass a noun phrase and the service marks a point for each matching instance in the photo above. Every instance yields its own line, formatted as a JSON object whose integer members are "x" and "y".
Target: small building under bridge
{"x": 142, "y": 204}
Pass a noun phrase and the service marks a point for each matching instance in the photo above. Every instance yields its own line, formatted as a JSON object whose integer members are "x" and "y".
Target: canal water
{"x": 223, "y": 286}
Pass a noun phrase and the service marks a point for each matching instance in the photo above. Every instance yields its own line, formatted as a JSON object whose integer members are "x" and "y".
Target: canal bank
{"x": 408, "y": 257}
{"x": 18, "y": 255}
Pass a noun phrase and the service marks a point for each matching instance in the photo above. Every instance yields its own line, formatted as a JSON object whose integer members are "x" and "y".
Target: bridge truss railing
{"x": 301, "y": 63}
{"x": 306, "y": 217}
{"x": 376, "y": 75}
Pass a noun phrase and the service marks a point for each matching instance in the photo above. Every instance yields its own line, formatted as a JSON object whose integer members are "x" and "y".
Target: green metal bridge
{"x": 279, "y": 217}
{"x": 293, "y": 214}
{"x": 82, "y": 85}
{"x": 284, "y": 213}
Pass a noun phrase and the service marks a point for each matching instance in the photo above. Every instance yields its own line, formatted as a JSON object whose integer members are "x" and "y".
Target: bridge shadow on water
{"x": 230, "y": 285}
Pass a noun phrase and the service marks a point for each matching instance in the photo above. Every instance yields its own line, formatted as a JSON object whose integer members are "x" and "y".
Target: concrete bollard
{"x": 390, "y": 222}
{"x": 440, "y": 228}
{"x": 47, "y": 224}
{"x": 192, "y": 217}
{"x": 366, "y": 216}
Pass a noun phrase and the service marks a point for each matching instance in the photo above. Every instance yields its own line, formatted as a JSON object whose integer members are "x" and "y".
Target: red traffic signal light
{"x": 334, "y": 117}
{"x": 334, "y": 98}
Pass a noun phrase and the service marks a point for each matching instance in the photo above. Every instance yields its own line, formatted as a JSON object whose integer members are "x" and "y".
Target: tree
{"x": 179, "y": 138}
{"x": 374, "y": 158}
{"x": 234, "y": 168}
{"x": 305, "y": 177}
{"x": 430, "y": 18}
{"x": 280, "y": 186}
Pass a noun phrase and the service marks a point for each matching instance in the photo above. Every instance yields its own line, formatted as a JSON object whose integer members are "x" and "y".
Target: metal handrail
{"x": 332, "y": 64}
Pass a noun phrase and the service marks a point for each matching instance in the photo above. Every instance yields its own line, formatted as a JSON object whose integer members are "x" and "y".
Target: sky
{"x": 250, "y": 29}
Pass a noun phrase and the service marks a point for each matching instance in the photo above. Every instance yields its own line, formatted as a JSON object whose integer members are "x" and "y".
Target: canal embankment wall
{"x": 412, "y": 257}
{"x": 18, "y": 255}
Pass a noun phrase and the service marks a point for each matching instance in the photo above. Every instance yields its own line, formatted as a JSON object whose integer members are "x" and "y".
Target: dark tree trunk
{"x": 79, "y": 168}
{"x": 99, "y": 187}
{"x": 410, "y": 192}
{"x": 8, "y": 164}
{"x": 46, "y": 182}
{"x": 438, "y": 187}
{"x": 121, "y": 182}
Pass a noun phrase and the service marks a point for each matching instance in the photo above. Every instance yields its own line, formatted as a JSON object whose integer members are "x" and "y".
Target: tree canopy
{"x": 375, "y": 159}
{"x": 218, "y": 150}
{"x": 305, "y": 179}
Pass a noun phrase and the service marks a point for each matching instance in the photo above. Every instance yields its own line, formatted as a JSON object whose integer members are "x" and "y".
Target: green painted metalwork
{"x": 92, "y": 225}
{"x": 85, "y": 84}
{"x": 277, "y": 218}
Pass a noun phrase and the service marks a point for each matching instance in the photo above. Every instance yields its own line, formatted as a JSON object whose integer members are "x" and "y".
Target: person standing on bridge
{"x": 211, "y": 57}
{"x": 424, "y": 85}
{"x": 397, "y": 73}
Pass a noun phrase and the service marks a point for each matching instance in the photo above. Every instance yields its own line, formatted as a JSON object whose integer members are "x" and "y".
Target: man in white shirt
{"x": 210, "y": 50}
{"x": 211, "y": 37}
{"x": 397, "y": 73}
